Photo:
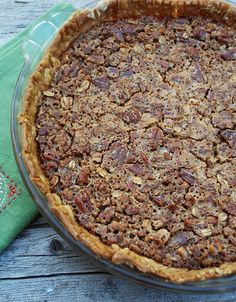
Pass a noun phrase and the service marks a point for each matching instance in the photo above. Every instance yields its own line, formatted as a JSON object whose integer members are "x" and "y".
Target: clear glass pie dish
{"x": 33, "y": 48}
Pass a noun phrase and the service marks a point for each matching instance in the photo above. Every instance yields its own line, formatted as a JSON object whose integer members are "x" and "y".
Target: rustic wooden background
{"x": 39, "y": 265}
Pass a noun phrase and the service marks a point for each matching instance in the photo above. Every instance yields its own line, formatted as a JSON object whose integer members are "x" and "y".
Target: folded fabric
{"x": 16, "y": 206}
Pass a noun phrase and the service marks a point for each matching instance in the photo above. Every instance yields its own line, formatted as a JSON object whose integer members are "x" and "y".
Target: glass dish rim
{"x": 210, "y": 286}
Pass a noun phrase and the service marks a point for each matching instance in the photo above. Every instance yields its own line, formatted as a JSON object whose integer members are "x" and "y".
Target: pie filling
{"x": 137, "y": 134}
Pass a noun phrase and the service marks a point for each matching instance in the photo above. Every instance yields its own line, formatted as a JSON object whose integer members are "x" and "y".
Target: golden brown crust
{"x": 83, "y": 20}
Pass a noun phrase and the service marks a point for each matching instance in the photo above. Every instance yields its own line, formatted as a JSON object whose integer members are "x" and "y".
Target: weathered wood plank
{"x": 40, "y": 251}
{"x": 91, "y": 287}
{"x": 16, "y": 15}
{"x": 40, "y": 222}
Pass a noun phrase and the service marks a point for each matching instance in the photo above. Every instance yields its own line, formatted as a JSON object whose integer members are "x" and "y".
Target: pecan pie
{"x": 129, "y": 130}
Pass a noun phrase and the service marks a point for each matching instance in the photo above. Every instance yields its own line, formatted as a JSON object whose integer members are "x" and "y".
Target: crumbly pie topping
{"x": 137, "y": 133}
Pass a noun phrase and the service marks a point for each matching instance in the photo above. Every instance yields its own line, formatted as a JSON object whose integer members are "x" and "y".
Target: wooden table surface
{"x": 39, "y": 265}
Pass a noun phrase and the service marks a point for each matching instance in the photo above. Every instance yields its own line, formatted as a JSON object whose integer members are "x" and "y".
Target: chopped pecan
{"x": 119, "y": 153}
{"x": 131, "y": 209}
{"x": 112, "y": 72}
{"x": 72, "y": 164}
{"x": 181, "y": 238}
{"x": 229, "y": 55}
{"x": 212, "y": 220}
{"x": 137, "y": 180}
{"x": 119, "y": 35}
{"x": 45, "y": 130}
{"x": 107, "y": 215}
{"x": 188, "y": 177}
{"x": 127, "y": 74}
{"x": 83, "y": 202}
{"x": 222, "y": 120}
{"x": 144, "y": 158}
{"x": 117, "y": 226}
{"x": 73, "y": 71}
{"x": 99, "y": 60}
{"x": 48, "y": 93}
{"x": 80, "y": 204}
{"x": 97, "y": 157}
{"x": 230, "y": 207}
{"x": 158, "y": 200}
{"x": 230, "y": 137}
{"x": 157, "y": 224}
{"x": 66, "y": 102}
{"x": 102, "y": 82}
{"x": 163, "y": 64}
{"x": 136, "y": 169}
{"x": 58, "y": 75}
{"x": 102, "y": 172}
{"x": 197, "y": 73}
{"x": 117, "y": 193}
{"x": 162, "y": 236}
{"x": 131, "y": 116}
{"x": 199, "y": 33}
{"x": 83, "y": 86}
{"x": 87, "y": 50}
{"x": 54, "y": 181}
{"x": 222, "y": 217}
{"x": 83, "y": 176}
{"x": 232, "y": 240}
{"x": 51, "y": 155}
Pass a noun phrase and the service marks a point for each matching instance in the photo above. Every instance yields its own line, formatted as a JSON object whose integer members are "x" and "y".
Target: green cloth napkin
{"x": 16, "y": 206}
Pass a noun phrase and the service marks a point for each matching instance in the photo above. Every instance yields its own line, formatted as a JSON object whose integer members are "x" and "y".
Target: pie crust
{"x": 79, "y": 22}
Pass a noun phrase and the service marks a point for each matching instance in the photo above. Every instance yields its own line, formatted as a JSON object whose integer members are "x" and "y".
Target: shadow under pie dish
{"x": 129, "y": 131}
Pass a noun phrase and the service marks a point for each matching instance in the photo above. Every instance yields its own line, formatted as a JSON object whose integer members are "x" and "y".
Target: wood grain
{"x": 39, "y": 265}
{"x": 16, "y": 15}
{"x": 90, "y": 287}
{"x": 40, "y": 251}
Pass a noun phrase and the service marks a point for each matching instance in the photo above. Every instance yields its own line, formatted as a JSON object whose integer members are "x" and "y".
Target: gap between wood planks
{"x": 56, "y": 275}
